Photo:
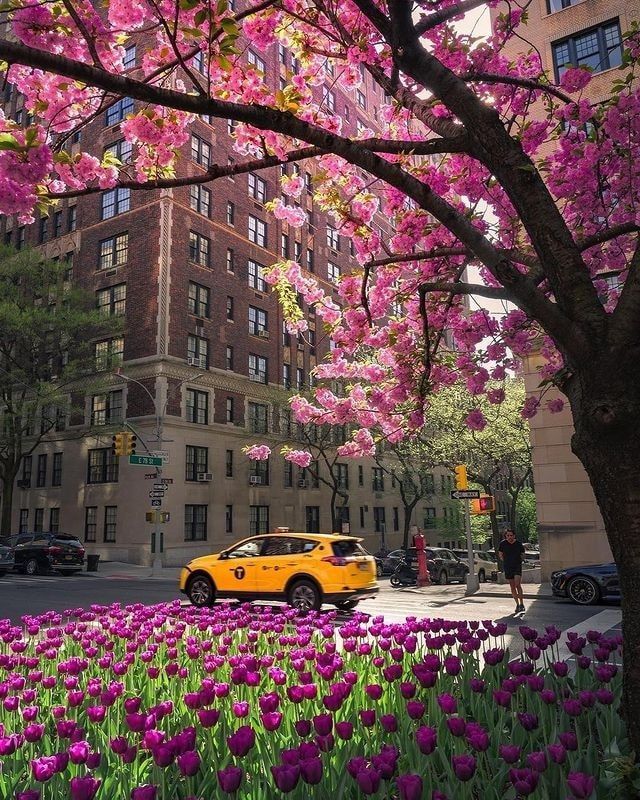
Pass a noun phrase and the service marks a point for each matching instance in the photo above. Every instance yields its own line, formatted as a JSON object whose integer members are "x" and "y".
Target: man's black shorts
{"x": 511, "y": 575}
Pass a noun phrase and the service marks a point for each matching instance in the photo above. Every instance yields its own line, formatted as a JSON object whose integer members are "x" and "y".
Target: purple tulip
{"x": 286, "y": 776}
{"x": 240, "y": 710}
{"x": 548, "y": 696}
{"x": 368, "y": 718}
{"x": 464, "y": 766}
{"x": 502, "y": 698}
{"x": 344, "y": 730}
{"x": 84, "y": 788}
{"x": 129, "y": 755}
{"x": 416, "y": 709}
{"x": 93, "y": 760}
{"x": 477, "y": 685}
{"x": 119, "y": 745}
{"x": 537, "y": 760}
{"x": 241, "y": 741}
{"x": 356, "y": 765}
{"x": 477, "y": 737}
{"x": 43, "y": 768}
{"x": 569, "y": 740}
{"x": 208, "y": 717}
{"x": 146, "y": 792}
{"x": 311, "y": 771}
{"x": 163, "y": 755}
{"x": 303, "y": 727}
{"x": 188, "y": 763}
{"x": 427, "y": 739}
{"x": 96, "y": 713}
{"x": 409, "y": 787}
{"x": 29, "y": 794}
{"x": 132, "y": 704}
{"x": 509, "y": 753}
{"x": 389, "y": 723}
{"x": 457, "y": 726}
{"x": 438, "y": 795}
{"x": 368, "y": 780}
{"x": 581, "y": 785}
{"x": 561, "y": 668}
{"x": 528, "y": 721}
{"x": 323, "y": 724}
{"x": 9, "y": 744}
{"x": 557, "y": 753}
{"x": 271, "y": 720}
{"x": 374, "y": 691}
{"x": 407, "y": 690}
{"x": 604, "y": 696}
{"x": 230, "y": 779}
{"x": 452, "y": 665}
{"x": 33, "y": 733}
{"x": 448, "y": 703}
{"x": 524, "y": 781}
{"x": 494, "y": 656}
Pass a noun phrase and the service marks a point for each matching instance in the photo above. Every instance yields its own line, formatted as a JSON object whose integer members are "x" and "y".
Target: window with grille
{"x": 299, "y": 378}
{"x": 328, "y": 100}
{"x": 114, "y": 202}
{"x": 257, "y": 188}
{"x": 231, "y": 213}
{"x": 333, "y": 238}
{"x": 229, "y": 357}
{"x": 361, "y": 99}
{"x": 38, "y": 520}
{"x": 230, "y": 407}
{"x": 199, "y": 249}
{"x": 231, "y": 262}
{"x": 197, "y": 460}
{"x": 198, "y": 348}
{"x": 122, "y": 150}
{"x": 379, "y": 519}
{"x": 111, "y": 301}
{"x": 284, "y": 245}
{"x": 378, "y": 479}
{"x": 43, "y": 230}
{"x": 56, "y": 470}
{"x": 24, "y": 520}
{"x": 109, "y": 353}
{"x": 256, "y": 276}
{"x": 286, "y": 376}
{"x": 333, "y": 272}
{"x": 129, "y": 60}
{"x": 258, "y": 418}
{"x": 199, "y": 300}
{"x": 200, "y": 151}
{"x": 228, "y": 464}
{"x": 257, "y": 321}
{"x": 197, "y": 407}
{"x": 57, "y": 224}
{"x": 257, "y": 368}
{"x": 258, "y": 520}
{"x": 106, "y": 408}
{"x": 598, "y": 48}
{"x": 54, "y": 520}
{"x": 229, "y": 308}
{"x": 342, "y": 476}
{"x": 110, "y": 519}
{"x": 256, "y": 62}
{"x": 257, "y": 231}
{"x": 119, "y": 110}
{"x": 114, "y": 251}
{"x": 41, "y": 473}
{"x": 102, "y": 466}
{"x": 200, "y": 200}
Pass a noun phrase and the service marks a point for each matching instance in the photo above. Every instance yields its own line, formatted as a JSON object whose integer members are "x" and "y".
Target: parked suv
{"x": 484, "y": 566}
{"x": 442, "y": 564}
{"x": 40, "y": 552}
{"x": 7, "y": 559}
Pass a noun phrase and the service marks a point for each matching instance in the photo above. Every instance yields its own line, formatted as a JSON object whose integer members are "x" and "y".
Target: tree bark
{"x": 7, "y": 504}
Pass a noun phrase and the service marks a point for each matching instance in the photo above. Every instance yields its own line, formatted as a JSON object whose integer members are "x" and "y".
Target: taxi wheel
{"x": 304, "y": 596}
{"x": 200, "y": 591}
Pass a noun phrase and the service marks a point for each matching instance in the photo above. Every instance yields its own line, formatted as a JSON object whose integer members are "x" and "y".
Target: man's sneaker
{"x": 521, "y": 607}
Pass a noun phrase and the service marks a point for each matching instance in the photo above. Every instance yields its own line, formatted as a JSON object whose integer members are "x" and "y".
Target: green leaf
{"x": 8, "y": 142}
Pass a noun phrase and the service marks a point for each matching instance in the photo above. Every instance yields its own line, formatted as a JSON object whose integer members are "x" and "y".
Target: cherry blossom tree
{"x": 478, "y": 159}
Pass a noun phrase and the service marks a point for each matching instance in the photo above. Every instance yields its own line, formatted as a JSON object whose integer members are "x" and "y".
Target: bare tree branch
{"x": 466, "y": 288}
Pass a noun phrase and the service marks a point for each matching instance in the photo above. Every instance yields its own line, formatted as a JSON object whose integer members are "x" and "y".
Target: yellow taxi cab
{"x": 304, "y": 569}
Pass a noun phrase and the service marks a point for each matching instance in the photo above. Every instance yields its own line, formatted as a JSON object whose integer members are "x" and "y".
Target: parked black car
{"x": 443, "y": 565}
{"x": 7, "y": 559}
{"x": 41, "y": 552}
{"x": 587, "y": 585}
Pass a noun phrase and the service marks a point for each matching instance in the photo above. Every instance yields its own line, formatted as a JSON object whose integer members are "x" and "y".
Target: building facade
{"x": 204, "y": 365}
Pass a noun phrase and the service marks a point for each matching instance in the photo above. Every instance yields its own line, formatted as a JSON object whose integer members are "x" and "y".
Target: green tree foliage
{"x": 526, "y": 518}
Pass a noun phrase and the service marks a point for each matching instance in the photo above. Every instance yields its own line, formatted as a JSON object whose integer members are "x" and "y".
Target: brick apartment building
{"x": 568, "y": 32}
{"x": 204, "y": 348}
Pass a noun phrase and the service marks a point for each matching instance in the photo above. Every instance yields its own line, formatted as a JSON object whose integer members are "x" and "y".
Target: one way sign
{"x": 465, "y": 494}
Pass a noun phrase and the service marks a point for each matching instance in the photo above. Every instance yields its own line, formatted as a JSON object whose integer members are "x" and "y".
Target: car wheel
{"x": 482, "y": 577}
{"x": 583, "y": 590}
{"x": 443, "y": 578}
{"x": 200, "y": 591}
{"x": 304, "y": 596}
{"x": 347, "y": 605}
{"x": 31, "y": 567}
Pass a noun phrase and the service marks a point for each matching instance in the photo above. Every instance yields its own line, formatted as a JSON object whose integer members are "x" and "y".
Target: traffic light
{"x": 461, "y": 476}
{"x": 130, "y": 444}
{"x": 486, "y": 504}
{"x": 118, "y": 444}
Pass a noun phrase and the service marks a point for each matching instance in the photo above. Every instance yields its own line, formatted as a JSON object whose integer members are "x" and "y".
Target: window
{"x": 122, "y": 150}
{"x": 27, "y": 466}
{"x": 198, "y": 348}
{"x": 378, "y": 479}
{"x": 197, "y": 461}
{"x": 259, "y": 473}
{"x": 228, "y": 464}
{"x": 41, "y": 473}
{"x": 255, "y": 61}
{"x": 312, "y": 519}
{"x": 379, "y": 525}
{"x": 230, "y": 409}
{"x": 112, "y": 300}
{"x": 56, "y": 470}
{"x": 119, "y": 110}
{"x": 329, "y": 100}
{"x": 110, "y": 516}
{"x": 197, "y": 407}
{"x": 360, "y": 475}
{"x": 258, "y": 322}
{"x": 284, "y": 245}
{"x": 231, "y": 262}
{"x": 198, "y": 62}
{"x": 200, "y": 151}
{"x": 114, "y": 202}
{"x": 231, "y": 213}
{"x": 195, "y": 523}
{"x": 257, "y": 188}
{"x": 258, "y": 416}
{"x": 598, "y": 48}
{"x": 43, "y": 233}
{"x": 288, "y": 475}
{"x": 333, "y": 272}
{"x": 38, "y": 520}
{"x": 231, "y": 126}
{"x": 230, "y": 308}
{"x": 297, "y": 252}
{"x": 258, "y": 519}
{"x": 109, "y": 353}
{"x": 342, "y": 476}
{"x": 282, "y": 54}
{"x": 199, "y": 299}
{"x": 54, "y": 520}
{"x": 362, "y": 516}
{"x": 114, "y": 251}
{"x": 21, "y": 237}
{"x": 333, "y": 239}
{"x": 361, "y": 99}
{"x": 102, "y": 466}
{"x": 257, "y": 231}
{"x": 258, "y": 368}
{"x": 286, "y": 376}
{"x": 429, "y": 520}
{"x": 24, "y": 520}
{"x": 57, "y": 224}
{"x": 228, "y": 519}
{"x": 106, "y": 408}
{"x": 200, "y": 200}
{"x": 309, "y": 259}
{"x": 299, "y": 378}
{"x": 229, "y": 357}
{"x": 199, "y": 249}
{"x": 256, "y": 276}
{"x": 396, "y": 518}
{"x": 129, "y": 60}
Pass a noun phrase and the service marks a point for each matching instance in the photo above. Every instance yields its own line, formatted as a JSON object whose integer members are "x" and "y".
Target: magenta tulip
{"x": 581, "y": 785}
{"x": 241, "y": 741}
{"x": 557, "y": 753}
{"x": 457, "y": 726}
{"x": 368, "y": 718}
{"x": 146, "y": 792}
{"x": 356, "y": 765}
{"x": 416, "y": 709}
{"x": 311, "y": 770}
{"x": 29, "y": 794}
{"x": 79, "y": 752}
{"x": 448, "y": 703}
{"x": 188, "y": 763}
{"x": 389, "y": 723}
{"x": 426, "y": 738}
{"x": 33, "y": 733}
{"x": 93, "y": 760}
{"x": 208, "y": 717}
{"x": 368, "y": 780}
{"x": 464, "y": 766}
{"x": 230, "y": 779}
{"x": 84, "y": 788}
{"x": 409, "y": 787}
{"x": 524, "y": 781}
{"x": 271, "y": 720}
{"x": 303, "y": 727}
{"x": 509, "y": 753}
{"x": 344, "y": 730}
{"x": 286, "y": 776}
{"x": 323, "y": 724}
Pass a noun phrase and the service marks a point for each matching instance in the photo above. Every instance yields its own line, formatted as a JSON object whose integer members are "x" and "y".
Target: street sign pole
{"x": 473, "y": 583}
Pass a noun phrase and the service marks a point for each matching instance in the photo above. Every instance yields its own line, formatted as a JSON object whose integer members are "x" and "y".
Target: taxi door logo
{"x": 239, "y": 573}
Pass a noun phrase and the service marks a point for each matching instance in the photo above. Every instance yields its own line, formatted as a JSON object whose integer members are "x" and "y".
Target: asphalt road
{"x": 21, "y": 595}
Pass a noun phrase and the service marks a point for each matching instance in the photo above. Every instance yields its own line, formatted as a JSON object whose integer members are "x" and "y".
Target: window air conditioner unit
{"x": 205, "y": 477}
{"x": 302, "y": 484}
{"x": 255, "y": 480}
{"x": 200, "y": 363}
{"x": 263, "y": 334}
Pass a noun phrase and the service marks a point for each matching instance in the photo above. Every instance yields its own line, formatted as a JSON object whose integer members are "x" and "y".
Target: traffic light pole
{"x": 473, "y": 583}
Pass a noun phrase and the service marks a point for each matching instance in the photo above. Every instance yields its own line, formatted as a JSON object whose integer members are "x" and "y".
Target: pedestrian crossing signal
{"x": 485, "y": 504}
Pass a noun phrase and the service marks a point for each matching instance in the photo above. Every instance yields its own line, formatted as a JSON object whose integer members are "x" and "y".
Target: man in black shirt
{"x": 510, "y": 553}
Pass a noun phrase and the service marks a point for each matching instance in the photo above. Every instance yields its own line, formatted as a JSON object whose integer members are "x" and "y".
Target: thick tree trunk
{"x": 606, "y": 409}
{"x": 408, "y": 516}
{"x": 7, "y": 506}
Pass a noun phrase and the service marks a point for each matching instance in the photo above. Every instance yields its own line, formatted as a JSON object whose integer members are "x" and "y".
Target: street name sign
{"x": 163, "y": 454}
{"x": 145, "y": 461}
{"x": 465, "y": 494}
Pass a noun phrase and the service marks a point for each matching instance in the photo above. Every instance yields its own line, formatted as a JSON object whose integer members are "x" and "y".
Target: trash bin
{"x": 92, "y": 563}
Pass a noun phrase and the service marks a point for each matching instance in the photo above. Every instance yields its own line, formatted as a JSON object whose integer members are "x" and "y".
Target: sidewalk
{"x": 532, "y": 591}
{"x": 124, "y": 570}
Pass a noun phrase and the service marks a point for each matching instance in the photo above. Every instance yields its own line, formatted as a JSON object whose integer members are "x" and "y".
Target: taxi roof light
{"x": 282, "y": 529}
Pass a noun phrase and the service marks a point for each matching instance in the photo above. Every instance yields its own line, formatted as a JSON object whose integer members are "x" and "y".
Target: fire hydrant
{"x": 423, "y": 572}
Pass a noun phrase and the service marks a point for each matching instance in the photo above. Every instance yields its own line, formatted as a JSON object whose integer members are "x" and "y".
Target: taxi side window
{"x": 281, "y": 546}
{"x": 246, "y": 550}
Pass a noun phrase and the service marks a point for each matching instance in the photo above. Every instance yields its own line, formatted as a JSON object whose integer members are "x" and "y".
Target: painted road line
{"x": 603, "y": 621}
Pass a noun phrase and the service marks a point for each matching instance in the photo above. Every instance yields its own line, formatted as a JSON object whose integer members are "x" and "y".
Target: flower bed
{"x": 167, "y": 703}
